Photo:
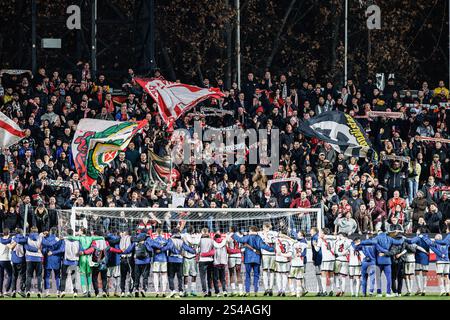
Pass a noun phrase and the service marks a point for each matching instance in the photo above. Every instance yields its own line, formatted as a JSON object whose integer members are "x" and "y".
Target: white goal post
{"x": 215, "y": 219}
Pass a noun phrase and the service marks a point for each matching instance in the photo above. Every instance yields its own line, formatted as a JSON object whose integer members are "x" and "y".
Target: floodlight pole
{"x": 346, "y": 44}
{"x": 33, "y": 36}
{"x": 238, "y": 41}
{"x": 94, "y": 36}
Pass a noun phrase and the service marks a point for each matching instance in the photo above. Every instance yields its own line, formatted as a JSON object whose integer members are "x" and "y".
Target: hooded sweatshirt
{"x": 206, "y": 245}
{"x": 18, "y": 253}
{"x": 175, "y": 247}
{"x": 5, "y": 252}
{"x": 33, "y": 248}
{"x": 52, "y": 243}
{"x": 158, "y": 243}
{"x": 220, "y": 252}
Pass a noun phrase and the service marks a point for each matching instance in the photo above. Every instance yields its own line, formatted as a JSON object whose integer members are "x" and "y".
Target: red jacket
{"x": 94, "y": 245}
{"x": 299, "y": 203}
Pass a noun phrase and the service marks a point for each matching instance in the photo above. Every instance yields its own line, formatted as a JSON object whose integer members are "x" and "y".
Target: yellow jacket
{"x": 439, "y": 90}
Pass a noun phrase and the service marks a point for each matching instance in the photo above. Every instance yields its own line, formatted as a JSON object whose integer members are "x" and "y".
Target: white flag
{"x": 10, "y": 132}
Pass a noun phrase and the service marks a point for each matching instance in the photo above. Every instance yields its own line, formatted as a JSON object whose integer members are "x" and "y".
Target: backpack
{"x": 141, "y": 252}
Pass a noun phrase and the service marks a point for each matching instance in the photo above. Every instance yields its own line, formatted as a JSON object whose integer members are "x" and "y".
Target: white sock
{"x": 358, "y": 284}
{"x": 323, "y": 280}
{"x": 351, "y": 285}
{"x": 265, "y": 280}
{"x": 332, "y": 279}
{"x": 241, "y": 287}
{"x": 343, "y": 282}
{"x": 156, "y": 282}
{"x": 424, "y": 283}
{"x": 303, "y": 284}
{"x": 117, "y": 286}
{"x": 284, "y": 278}
{"x": 408, "y": 289}
{"x": 233, "y": 287}
{"x": 279, "y": 282}
{"x": 298, "y": 285}
{"x": 164, "y": 283}
{"x": 447, "y": 287}
{"x": 419, "y": 282}
{"x": 336, "y": 282}
{"x": 186, "y": 287}
{"x": 292, "y": 286}
{"x": 319, "y": 283}
{"x": 441, "y": 284}
{"x": 271, "y": 280}
{"x": 193, "y": 286}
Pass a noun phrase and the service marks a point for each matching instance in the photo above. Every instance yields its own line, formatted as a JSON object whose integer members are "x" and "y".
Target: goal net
{"x": 113, "y": 220}
{"x": 133, "y": 220}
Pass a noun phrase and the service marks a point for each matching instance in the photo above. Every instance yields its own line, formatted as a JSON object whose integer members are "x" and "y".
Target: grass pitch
{"x": 260, "y": 297}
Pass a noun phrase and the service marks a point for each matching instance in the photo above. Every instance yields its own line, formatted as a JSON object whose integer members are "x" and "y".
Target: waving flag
{"x": 341, "y": 131}
{"x": 10, "y": 132}
{"x": 161, "y": 168}
{"x": 97, "y": 142}
{"x": 173, "y": 98}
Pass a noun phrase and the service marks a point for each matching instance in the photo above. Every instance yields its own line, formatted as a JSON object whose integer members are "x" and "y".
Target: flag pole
{"x": 170, "y": 176}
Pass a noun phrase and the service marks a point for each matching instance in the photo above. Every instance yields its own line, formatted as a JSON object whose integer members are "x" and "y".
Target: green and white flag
{"x": 97, "y": 142}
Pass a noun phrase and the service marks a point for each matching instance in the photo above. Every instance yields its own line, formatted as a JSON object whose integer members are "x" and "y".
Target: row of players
{"x": 81, "y": 259}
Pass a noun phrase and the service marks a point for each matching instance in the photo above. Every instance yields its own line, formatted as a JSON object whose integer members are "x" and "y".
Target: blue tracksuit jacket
{"x": 19, "y": 239}
{"x": 52, "y": 243}
{"x": 174, "y": 255}
{"x": 316, "y": 255}
{"x": 384, "y": 242}
{"x": 255, "y": 241}
{"x": 160, "y": 256}
{"x": 113, "y": 258}
{"x": 29, "y": 248}
{"x": 421, "y": 257}
{"x": 441, "y": 250}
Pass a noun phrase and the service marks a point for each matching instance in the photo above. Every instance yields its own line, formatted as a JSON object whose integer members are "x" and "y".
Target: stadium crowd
{"x": 360, "y": 196}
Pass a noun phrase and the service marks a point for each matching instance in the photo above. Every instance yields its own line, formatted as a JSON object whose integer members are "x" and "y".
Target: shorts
{"x": 317, "y": 270}
{"x": 354, "y": 271}
{"x": 159, "y": 267}
{"x": 327, "y": 266}
{"x": 341, "y": 267}
{"x": 268, "y": 262}
{"x": 410, "y": 267}
{"x": 282, "y": 267}
{"x": 114, "y": 272}
{"x": 297, "y": 272}
{"x": 190, "y": 267}
{"x": 234, "y": 261}
{"x": 421, "y": 267}
{"x": 442, "y": 268}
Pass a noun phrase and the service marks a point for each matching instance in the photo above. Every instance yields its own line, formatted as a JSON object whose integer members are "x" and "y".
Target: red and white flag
{"x": 10, "y": 132}
{"x": 173, "y": 98}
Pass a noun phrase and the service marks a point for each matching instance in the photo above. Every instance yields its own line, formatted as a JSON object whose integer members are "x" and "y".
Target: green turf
{"x": 259, "y": 297}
